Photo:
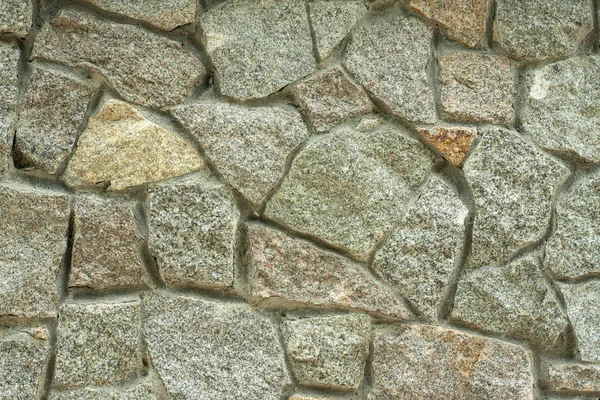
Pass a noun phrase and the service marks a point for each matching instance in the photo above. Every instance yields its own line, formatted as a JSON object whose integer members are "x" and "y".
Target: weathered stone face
{"x": 15, "y": 17}
{"x": 138, "y": 391}
{"x": 583, "y": 309}
{"x": 9, "y": 58}
{"x": 453, "y": 143}
{"x": 581, "y": 378}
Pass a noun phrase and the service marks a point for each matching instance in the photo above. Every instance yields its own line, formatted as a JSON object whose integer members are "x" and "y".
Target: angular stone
{"x": 332, "y": 20}
{"x": 329, "y": 98}
{"x": 463, "y": 19}
{"x": 34, "y": 226}
{"x": 574, "y": 377}
{"x": 258, "y": 47}
{"x": 15, "y": 17}
{"x": 515, "y": 301}
{"x": 120, "y": 146}
{"x": 349, "y": 188}
{"x": 9, "y": 60}
{"x": 583, "y": 308}
{"x": 163, "y": 15}
{"x": 49, "y": 120}
{"x": 453, "y": 143}
{"x": 513, "y": 184}
{"x": 427, "y": 362}
{"x": 192, "y": 227}
{"x": 394, "y": 67}
{"x": 476, "y": 88}
{"x": 249, "y": 146}
{"x": 301, "y": 397}
{"x": 562, "y": 107}
{"x": 97, "y": 344}
{"x": 422, "y": 253}
{"x": 328, "y": 352}
{"x": 138, "y": 391}
{"x": 143, "y": 67}
{"x": 106, "y": 245}
{"x": 283, "y": 268}
{"x": 541, "y": 29}
{"x": 208, "y": 350}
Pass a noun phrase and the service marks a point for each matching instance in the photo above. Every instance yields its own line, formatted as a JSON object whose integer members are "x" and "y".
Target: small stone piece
{"x": 476, "y": 88}
{"x": 258, "y": 46}
{"x": 428, "y": 362}
{"x": 513, "y": 184}
{"x": 123, "y": 148}
{"x": 464, "y": 19}
{"x": 453, "y": 143}
{"x": 328, "y": 352}
{"x": 192, "y": 228}
{"x": 574, "y": 377}
{"x": 282, "y": 268}
{"x": 249, "y": 146}
{"x": 302, "y": 397}
{"x": 97, "y": 344}
{"x": 541, "y": 29}
{"x": 583, "y": 308}
{"x": 394, "y": 67}
{"x": 515, "y": 301}
{"x": 9, "y": 60}
{"x": 562, "y": 108}
{"x": 208, "y": 350}
{"x": 329, "y": 98}
{"x": 49, "y": 120}
{"x": 107, "y": 243}
{"x": 138, "y": 391}
{"x": 422, "y": 253}
{"x": 34, "y": 226}
{"x": 143, "y": 67}
{"x": 15, "y": 17}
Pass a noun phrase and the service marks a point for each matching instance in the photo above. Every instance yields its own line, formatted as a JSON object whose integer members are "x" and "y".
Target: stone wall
{"x": 279, "y": 199}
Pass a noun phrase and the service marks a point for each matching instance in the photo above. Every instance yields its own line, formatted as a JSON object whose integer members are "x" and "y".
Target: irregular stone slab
{"x": 328, "y": 352}
{"x": 137, "y": 391}
{"x": 453, "y": 143}
{"x": 208, "y": 350}
{"x": 394, "y": 67}
{"x": 428, "y": 362}
{"x": 332, "y": 21}
{"x": 97, "y": 344}
{"x": 9, "y": 60}
{"x": 513, "y": 184}
{"x": 192, "y": 227}
{"x": 15, "y": 17}
{"x": 121, "y": 147}
{"x": 34, "y": 226}
{"x": 574, "y": 377}
{"x": 583, "y": 308}
{"x": 282, "y": 268}
{"x": 49, "y": 119}
{"x": 249, "y": 146}
{"x": 561, "y": 107}
{"x": 476, "y": 88}
{"x": 515, "y": 301}
{"x": 329, "y": 98}
{"x": 258, "y": 47}
{"x": 143, "y": 67}
{"x": 464, "y": 19}
{"x": 422, "y": 253}
{"x": 541, "y": 29}
{"x": 106, "y": 245}
{"x": 349, "y": 187}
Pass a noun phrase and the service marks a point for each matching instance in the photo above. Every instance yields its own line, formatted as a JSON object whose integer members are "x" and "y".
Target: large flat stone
{"x": 9, "y": 59}
{"x": 583, "y": 308}
{"x": 143, "y": 390}
{"x": 579, "y": 378}
{"x": 15, "y": 17}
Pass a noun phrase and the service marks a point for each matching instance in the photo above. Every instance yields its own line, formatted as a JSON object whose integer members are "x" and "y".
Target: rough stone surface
{"x": 561, "y": 110}
{"x": 15, "y": 17}
{"x": 9, "y": 59}
{"x": 143, "y": 67}
{"x": 328, "y": 352}
{"x": 49, "y": 120}
{"x": 574, "y": 377}
{"x": 258, "y": 47}
{"x": 207, "y": 350}
{"x": 329, "y": 98}
{"x": 394, "y": 67}
{"x": 541, "y": 29}
{"x": 249, "y": 146}
{"x": 106, "y": 245}
{"x": 512, "y": 184}
{"x": 97, "y": 344}
{"x": 123, "y": 148}
{"x": 515, "y": 301}
{"x": 422, "y": 253}
{"x": 476, "y": 88}
{"x": 192, "y": 228}
{"x": 427, "y": 362}
{"x": 137, "y": 391}
{"x": 349, "y": 187}
{"x": 453, "y": 143}
{"x": 302, "y": 397}
{"x": 583, "y": 308}
{"x": 464, "y": 19}
{"x": 34, "y": 225}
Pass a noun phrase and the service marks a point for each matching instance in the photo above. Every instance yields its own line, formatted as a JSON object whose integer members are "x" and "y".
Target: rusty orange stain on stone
{"x": 453, "y": 143}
